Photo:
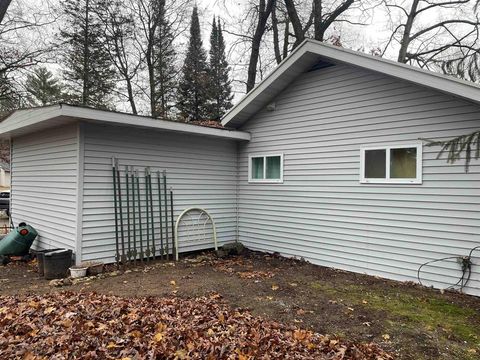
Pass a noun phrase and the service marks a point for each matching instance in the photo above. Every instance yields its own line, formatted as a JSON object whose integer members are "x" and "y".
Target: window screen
{"x": 403, "y": 163}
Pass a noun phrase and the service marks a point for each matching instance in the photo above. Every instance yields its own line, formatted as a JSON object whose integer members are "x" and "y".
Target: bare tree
{"x": 429, "y": 31}
{"x": 18, "y": 56}
{"x": 119, "y": 29}
{"x": 149, "y": 22}
{"x": 450, "y": 42}
{"x": 322, "y": 16}
{"x": 263, "y": 13}
{"x": 312, "y": 18}
{"x": 149, "y": 16}
{"x": 276, "y": 38}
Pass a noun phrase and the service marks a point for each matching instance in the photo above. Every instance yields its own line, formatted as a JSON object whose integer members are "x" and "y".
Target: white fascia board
{"x": 27, "y": 117}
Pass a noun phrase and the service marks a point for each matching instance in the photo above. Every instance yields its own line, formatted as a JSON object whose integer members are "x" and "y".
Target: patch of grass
{"x": 425, "y": 313}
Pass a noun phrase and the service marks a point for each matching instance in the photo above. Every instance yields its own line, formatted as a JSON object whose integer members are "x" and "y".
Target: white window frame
{"x": 264, "y": 156}
{"x": 387, "y": 179}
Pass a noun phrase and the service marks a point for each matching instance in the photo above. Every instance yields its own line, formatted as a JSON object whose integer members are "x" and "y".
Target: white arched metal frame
{"x": 202, "y": 213}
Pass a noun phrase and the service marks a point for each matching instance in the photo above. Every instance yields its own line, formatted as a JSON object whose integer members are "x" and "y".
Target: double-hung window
{"x": 266, "y": 168}
{"x": 396, "y": 164}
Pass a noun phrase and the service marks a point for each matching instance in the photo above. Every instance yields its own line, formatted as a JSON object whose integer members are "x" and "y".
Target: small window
{"x": 400, "y": 164}
{"x": 266, "y": 168}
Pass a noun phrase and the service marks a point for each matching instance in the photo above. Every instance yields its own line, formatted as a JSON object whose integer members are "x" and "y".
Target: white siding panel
{"x": 322, "y": 213}
{"x": 44, "y": 185}
{"x": 201, "y": 170}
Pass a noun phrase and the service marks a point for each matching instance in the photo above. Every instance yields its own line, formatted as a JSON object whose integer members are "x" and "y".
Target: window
{"x": 400, "y": 164}
{"x": 266, "y": 168}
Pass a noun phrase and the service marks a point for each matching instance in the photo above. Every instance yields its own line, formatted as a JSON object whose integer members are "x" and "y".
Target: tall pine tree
{"x": 194, "y": 94}
{"x": 9, "y": 98}
{"x": 89, "y": 71}
{"x": 165, "y": 73}
{"x": 42, "y": 87}
{"x": 220, "y": 88}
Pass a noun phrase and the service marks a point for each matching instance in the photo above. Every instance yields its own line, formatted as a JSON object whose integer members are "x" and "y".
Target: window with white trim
{"x": 396, "y": 164}
{"x": 266, "y": 168}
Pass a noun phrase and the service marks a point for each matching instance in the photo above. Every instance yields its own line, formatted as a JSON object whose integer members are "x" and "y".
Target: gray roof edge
{"x": 25, "y": 118}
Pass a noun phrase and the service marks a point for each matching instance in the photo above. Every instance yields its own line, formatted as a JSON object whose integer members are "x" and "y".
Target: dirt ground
{"x": 409, "y": 321}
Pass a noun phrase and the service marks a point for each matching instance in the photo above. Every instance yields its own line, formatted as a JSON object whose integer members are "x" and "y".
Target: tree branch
{"x": 446, "y": 4}
{"x": 442, "y": 24}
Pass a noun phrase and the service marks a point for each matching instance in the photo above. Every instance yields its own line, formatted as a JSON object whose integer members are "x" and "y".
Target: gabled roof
{"x": 25, "y": 121}
{"x": 311, "y": 52}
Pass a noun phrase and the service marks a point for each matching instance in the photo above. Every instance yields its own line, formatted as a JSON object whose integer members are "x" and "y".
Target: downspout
{"x": 79, "y": 196}
{"x": 237, "y": 192}
{"x": 11, "y": 183}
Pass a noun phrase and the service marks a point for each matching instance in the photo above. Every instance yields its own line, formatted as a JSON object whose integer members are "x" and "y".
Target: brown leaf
{"x": 66, "y": 323}
{"x": 49, "y": 310}
{"x": 158, "y": 337}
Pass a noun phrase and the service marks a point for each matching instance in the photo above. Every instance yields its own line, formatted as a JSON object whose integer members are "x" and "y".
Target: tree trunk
{"x": 286, "y": 35}
{"x": 131, "y": 98}
{"x": 276, "y": 45}
{"x": 264, "y": 11}
{"x": 151, "y": 83}
{"x": 320, "y": 23}
{"x": 323, "y": 24}
{"x": 150, "y": 68}
{"x": 4, "y": 4}
{"x": 86, "y": 77}
{"x": 402, "y": 53}
{"x": 296, "y": 23}
{"x": 317, "y": 20}
{"x": 163, "y": 100}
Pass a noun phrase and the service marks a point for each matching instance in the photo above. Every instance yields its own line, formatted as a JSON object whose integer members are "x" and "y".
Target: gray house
{"x": 321, "y": 160}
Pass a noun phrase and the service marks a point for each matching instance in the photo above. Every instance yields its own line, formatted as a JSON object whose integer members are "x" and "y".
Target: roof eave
{"x": 29, "y": 118}
{"x": 446, "y": 84}
{"x": 259, "y": 88}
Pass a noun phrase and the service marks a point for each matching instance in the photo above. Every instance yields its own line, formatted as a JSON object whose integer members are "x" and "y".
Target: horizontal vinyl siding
{"x": 44, "y": 185}
{"x": 201, "y": 171}
{"x": 322, "y": 213}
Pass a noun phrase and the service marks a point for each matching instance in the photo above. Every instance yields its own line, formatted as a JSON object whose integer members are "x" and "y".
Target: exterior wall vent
{"x": 271, "y": 106}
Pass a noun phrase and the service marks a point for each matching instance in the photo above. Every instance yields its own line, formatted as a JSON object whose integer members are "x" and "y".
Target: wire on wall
{"x": 466, "y": 263}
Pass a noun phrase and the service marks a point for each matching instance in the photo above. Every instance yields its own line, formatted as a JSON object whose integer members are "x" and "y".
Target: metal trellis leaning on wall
{"x": 143, "y": 214}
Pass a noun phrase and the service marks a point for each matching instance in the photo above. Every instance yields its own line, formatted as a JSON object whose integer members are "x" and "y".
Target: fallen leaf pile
{"x": 255, "y": 274}
{"x": 92, "y": 326}
{"x": 208, "y": 123}
{"x": 231, "y": 265}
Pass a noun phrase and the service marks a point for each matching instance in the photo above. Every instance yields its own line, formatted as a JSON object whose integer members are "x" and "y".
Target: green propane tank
{"x": 18, "y": 241}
